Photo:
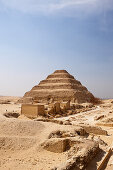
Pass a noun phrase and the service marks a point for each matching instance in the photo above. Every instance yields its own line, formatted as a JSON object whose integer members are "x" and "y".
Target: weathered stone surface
{"x": 11, "y": 115}
{"x": 67, "y": 122}
{"x": 80, "y": 156}
{"x": 54, "y": 107}
{"x": 32, "y": 111}
{"x": 59, "y": 86}
{"x": 63, "y": 133}
{"x": 99, "y": 117}
{"x": 57, "y": 145}
{"x": 65, "y": 105}
{"x": 95, "y": 130}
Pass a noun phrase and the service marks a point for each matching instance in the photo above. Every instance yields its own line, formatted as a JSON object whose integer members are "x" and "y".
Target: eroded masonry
{"x": 59, "y": 86}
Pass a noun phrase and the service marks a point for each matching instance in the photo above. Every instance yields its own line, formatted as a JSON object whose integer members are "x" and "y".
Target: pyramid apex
{"x": 60, "y": 71}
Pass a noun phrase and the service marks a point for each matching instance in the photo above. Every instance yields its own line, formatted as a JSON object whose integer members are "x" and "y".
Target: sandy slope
{"x": 20, "y": 138}
{"x": 20, "y": 145}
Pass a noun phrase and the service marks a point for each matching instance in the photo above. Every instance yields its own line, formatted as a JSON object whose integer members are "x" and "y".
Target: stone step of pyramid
{"x": 60, "y": 85}
{"x": 60, "y": 76}
{"x": 60, "y": 80}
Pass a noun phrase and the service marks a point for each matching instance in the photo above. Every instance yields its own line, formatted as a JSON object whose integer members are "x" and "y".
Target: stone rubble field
{"x": 77, "y": 141}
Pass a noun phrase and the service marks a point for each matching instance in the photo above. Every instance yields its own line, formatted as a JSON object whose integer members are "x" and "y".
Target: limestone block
{"x": 65, "y": 105}
{"x": 95, "y": 130}
{"x": 32, "y": 110}
{"x": 55, "y": 107}
{"x": 56, "y": 145}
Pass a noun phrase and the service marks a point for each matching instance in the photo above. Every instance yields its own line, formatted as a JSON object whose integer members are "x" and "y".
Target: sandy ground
{"x": 20, "y": 138}
{"x": 19, "y": 145}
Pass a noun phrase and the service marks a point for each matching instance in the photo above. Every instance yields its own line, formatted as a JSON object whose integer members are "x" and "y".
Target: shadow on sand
{"x": 93, "y": 164}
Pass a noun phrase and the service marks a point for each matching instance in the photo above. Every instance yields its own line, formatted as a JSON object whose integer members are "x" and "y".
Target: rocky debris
{"x": 77, "y": 106}
{"x": 80, "y": 156}
{"x": 90, "y": 105}
{"x": 49, "y": 120}
{"x": 51, "y": 113}
{"x": 78, "y": 131}
{"x": 99, "y": 140}
{"x": 71, "y": 112}
{"x": 105, "y": 124}
{"x": 67, "y": 122}
{"x": 5, "y": 102}
{"x": 11, "y": 115}
{"x": 81, "y": 131}
{"x": 65, "y": 105}
{"x": 95, "y": 130}
{"x": 56, "y": 134}
{"x": 59, "y": 86}
{"x": 108, "y": 120}
{"x": 99, "y": 117}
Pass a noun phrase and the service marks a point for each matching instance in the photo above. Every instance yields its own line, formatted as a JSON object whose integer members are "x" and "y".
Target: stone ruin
{"x": 79, "y": 151}
{"x": 58, "y": 94}
{"x": 35, "y": 110}
{"x": 32, "y": 110}
{"x": 59, "y": 86}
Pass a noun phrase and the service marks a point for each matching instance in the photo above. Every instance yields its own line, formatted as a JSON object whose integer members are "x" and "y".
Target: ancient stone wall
{"x": 32, "y": 111}
{"x": 65, "y": 105}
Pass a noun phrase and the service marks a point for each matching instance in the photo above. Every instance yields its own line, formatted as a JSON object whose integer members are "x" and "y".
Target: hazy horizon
{"x": 39, "y": 37}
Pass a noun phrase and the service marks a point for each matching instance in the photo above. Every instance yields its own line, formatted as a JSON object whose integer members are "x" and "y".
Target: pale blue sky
{"x": 39, "y": 36}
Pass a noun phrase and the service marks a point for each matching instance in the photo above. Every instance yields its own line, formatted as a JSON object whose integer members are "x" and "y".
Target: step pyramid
{"x": 59, "y": 86}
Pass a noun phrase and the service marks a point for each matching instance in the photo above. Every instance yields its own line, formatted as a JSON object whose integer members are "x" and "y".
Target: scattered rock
{"x": 67, "y": 122}
{"x": 81, "y": 157}
{"x": 5, "y": 101}
{"x": 99, "y": 117}
{"x": 99, "y": 140}
{"x": 11, "y": 115}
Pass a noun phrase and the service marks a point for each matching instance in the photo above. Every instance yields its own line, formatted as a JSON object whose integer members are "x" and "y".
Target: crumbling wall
{"x": 65, "y": 105}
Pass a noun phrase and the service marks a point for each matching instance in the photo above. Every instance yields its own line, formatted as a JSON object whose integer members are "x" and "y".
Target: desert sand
{"x": 23, "y": 140}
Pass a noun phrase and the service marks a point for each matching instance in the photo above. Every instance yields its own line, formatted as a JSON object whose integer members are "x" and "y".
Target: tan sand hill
{"x": 59, "y": 86}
